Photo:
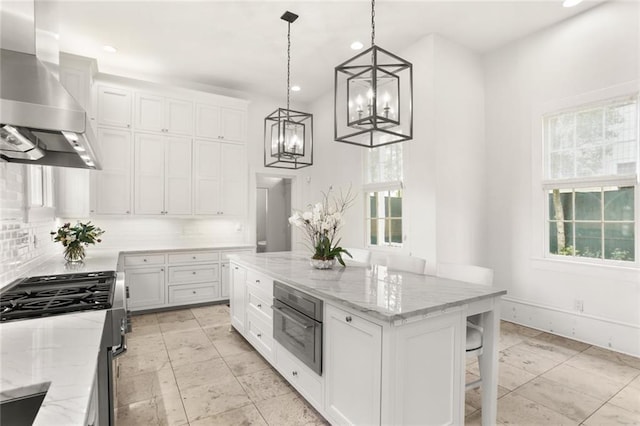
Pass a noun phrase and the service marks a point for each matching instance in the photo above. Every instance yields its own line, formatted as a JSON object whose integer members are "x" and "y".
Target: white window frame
{"x": 540, "y": 202}
{"x": 369, "y": 187}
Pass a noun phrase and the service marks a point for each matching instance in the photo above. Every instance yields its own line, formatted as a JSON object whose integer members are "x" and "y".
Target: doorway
{"x": 273, "y": 208}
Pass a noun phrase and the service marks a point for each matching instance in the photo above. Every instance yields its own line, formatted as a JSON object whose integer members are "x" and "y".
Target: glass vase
{"x": 74, "y": 253}
{"x": 323, "y": 263}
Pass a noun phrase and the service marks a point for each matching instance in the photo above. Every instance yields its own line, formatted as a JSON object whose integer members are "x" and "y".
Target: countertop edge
{"x": 391, "y": 319}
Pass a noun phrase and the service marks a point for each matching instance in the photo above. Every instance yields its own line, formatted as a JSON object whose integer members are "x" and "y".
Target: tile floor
{"x": 187, "y": 367}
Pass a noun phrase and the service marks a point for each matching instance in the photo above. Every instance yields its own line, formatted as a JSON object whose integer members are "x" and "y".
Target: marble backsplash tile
{"x": 21, "y": 243}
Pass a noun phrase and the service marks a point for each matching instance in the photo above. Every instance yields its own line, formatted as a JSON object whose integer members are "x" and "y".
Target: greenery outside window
{"x": 383, "y": 195}
{"x": 591, "y": 175}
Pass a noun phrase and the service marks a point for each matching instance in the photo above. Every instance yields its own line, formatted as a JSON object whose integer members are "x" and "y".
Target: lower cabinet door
{"x": 352, "y": 366}
{"x": 308, "y": 383}
{"x": 193, "y": 293}
{"x": 225, "y": 279}
{"x": 259, "y": 333}
{"x": 146, "y": 287}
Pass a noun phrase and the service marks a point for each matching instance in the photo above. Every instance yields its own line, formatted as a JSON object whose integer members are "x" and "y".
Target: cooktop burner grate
{"x": 57, "y": 294}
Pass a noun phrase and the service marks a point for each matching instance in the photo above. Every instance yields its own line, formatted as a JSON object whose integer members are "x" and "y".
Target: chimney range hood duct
{"x": 40, "y": 122}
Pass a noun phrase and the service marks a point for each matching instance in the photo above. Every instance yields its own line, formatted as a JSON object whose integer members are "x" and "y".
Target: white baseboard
{"x": 602, "y": 332}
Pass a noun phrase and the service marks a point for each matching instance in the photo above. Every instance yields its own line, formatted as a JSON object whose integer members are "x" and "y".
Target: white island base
{"x": 382, "y": 364}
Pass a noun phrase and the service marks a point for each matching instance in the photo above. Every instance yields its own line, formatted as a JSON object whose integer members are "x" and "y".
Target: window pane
{"x": 555, "y": 236}
{"x": 588, "y": 239}
{"x": 619, "y": 241}
{"x": 619, "y": 204}
{"x": 561, "y": 130}
{"x": 384, "y": 164}
{"x": 599, "y": 140}
{"x": 561, "y": 165}
{"x": 395, "y": 231}
{"x": 620, "y": 121}
{"x": 588, "y": 204}
{"x": 373, "y": 204}
{"x": 589, "y": 161}
{"x": 589, "y": 126}
{"x": 561, "y": 204}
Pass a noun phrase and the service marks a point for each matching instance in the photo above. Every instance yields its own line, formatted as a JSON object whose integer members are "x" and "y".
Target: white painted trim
{"x": 603, "y": 332}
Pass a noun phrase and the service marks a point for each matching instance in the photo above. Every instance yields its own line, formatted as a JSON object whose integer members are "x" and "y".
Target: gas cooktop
{"x": 46, "y": 295}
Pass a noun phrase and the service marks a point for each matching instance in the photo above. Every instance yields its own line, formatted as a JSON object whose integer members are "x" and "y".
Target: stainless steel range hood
{"x": 40, "y": 122}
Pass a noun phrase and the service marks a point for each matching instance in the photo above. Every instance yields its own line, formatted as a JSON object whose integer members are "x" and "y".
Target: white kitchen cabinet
{"x": 72, "y": 192}
{"x": 160, "y": 114}
{"x": 114, "y": 106}
{"x": 237, "y": 297}
{"x": 146, "y": 287}
{"x": 111, "y": 189}
{"x": 219, "y": 178}
{"x": 225, "y": 270}
{"x": 162, "y": 174}
{"x": 307, "y": 382}
{"x": 352, "y": 367}
{"x": 220, "y": 122}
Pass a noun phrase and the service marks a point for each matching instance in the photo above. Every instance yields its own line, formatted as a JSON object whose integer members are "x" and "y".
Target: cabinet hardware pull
{"x": 194, "y": 272}
{"x": 259, "y": 335}
{"x": 144, "y": 260}
{"x": 194, "y": 292}
{"x": 260, "y": 305}
{"x": 161, "y": 269}
{"x": 194, "y": 258}
{"x": 348, "y": 319}
{"x": 294, "y": 373}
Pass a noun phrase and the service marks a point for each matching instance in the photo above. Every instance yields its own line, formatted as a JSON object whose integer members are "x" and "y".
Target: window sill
{"x": 610, "y": 271}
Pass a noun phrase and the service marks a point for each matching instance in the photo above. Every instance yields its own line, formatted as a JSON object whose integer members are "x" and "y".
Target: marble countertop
{"x": 392, "y": 297}
{"x": 63, "y": 349}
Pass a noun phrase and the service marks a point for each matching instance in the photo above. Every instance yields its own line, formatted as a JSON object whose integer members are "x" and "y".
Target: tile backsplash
{"x": 21, "y": 243}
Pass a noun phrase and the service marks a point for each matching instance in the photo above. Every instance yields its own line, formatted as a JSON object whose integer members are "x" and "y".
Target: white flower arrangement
{"x": 321, "y": 223}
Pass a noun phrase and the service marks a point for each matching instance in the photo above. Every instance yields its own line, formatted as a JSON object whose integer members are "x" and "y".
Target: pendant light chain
{"x": 373, "y": 22}
{"x": 288, "y": 64}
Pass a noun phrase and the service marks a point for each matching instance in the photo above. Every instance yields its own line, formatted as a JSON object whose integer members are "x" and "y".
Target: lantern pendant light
{"x": 373, "y": 98}
{"x": 288, "y": 134}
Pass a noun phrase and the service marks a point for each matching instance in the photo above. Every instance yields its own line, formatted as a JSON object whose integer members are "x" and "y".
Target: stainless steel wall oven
{"x": 297, "y": 324}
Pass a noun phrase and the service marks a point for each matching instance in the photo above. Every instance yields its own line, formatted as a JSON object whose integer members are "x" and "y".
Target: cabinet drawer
{"x": 144, "y": 259}
{"x": 194, "y": 257}
{"x": 260, "y": 333}
{"x": 302, "y": 378}
{"x": 225, "y": 254}
{"x": 194, "y": 274}
{"x": 262, "y": 306}
{"x": 194, "y": 293}
{"x": 262, "y": 282}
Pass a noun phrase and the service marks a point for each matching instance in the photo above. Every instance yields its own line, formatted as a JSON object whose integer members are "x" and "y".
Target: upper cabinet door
{"x": 149, "y": 112}
{"x": 113, "y": 183}
{"x": 159, "y": 114}
{"x": 179, "y": 117}
{"x": 114, "y": 107}
{"x": 232, "y": 123}
{"x": 149, "y": 174}
{"x": 208, "y": 121}
{"x": 178, "y": 178}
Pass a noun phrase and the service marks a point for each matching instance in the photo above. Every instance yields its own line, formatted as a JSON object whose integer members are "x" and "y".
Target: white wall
{"x": 592, "y": 51}
{"x": 443, "y": 203}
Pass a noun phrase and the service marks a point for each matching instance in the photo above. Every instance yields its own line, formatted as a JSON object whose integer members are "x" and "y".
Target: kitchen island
{"x": 393, "y": 343}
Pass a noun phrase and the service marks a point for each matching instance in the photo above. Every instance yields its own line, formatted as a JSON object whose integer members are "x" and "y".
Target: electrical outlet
{"x": 578, "y": 305}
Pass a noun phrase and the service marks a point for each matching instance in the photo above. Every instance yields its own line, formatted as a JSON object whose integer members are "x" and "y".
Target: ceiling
{"x": 241, "y": 45}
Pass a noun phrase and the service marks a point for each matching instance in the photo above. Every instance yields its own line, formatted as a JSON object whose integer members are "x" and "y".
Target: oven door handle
{"x": 122, "y": 348}
{"x": 290, "y": 317}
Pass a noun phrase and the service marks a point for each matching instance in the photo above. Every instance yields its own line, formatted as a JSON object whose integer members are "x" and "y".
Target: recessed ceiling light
{"x": 295, "y": 88}
{"x": 109, "y": 49}
{"x": 571, "y": 3}
{"x": 356, "y": 45}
